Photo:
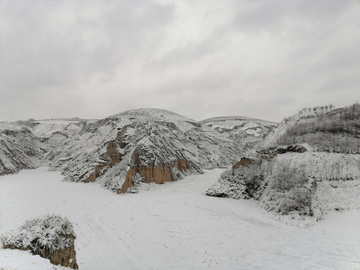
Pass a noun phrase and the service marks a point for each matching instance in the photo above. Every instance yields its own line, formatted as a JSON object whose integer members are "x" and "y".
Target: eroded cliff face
{"x": 64, "y": 257}
{"x": 51, "y": 237}
{"x": 149, "y": 145}
{"x": 19, "y": 149}
{"x": 244, "y": 162}
{"x": 158, "y": 174}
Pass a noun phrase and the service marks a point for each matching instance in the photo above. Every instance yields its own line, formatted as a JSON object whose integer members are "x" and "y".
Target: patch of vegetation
{"x": 287, "y": 192}
{"x": 244, "y": 182}
{"x": 280, "y": 189}
{"x": 330, "y": 132}
{"x": 42, "y": 233}
{"x": 51, "y": 237}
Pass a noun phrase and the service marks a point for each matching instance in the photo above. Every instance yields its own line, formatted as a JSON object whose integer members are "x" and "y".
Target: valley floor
{"x": 172, "y": 226}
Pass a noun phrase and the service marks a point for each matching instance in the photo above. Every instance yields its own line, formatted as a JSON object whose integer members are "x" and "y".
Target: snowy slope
{"x": 19, "y": 148}
{"x": 173, "y": 226}
{"x": 244, "y": 131}
{"x": 141, "y": 145}
{"x": 325, "y": 129}
{"x": 65, "y": 127}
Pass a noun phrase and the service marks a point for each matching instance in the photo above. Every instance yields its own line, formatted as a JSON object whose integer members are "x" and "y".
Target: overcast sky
{"x": 199, "y": 58}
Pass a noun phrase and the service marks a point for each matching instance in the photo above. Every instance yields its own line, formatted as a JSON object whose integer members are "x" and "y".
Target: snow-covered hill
{"x": 154, "y": 145}
{"x": 306, "y": 154}
{"x": 316, "y": 177}
{"x": 246, "y": 132}
{"x": 329, "y": 130}
{"x": 145, "y": 145}
{"x": 19, "y": 148}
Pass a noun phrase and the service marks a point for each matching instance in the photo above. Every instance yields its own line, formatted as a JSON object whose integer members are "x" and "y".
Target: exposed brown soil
{"x": 111, "y": 158}
{"x": 65, "y": 257}
{"x": 159, "y": 174}
{"x": 244, "y": 162}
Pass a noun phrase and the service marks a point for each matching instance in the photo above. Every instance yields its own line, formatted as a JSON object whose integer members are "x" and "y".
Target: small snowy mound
{"x": 51, "y": 237}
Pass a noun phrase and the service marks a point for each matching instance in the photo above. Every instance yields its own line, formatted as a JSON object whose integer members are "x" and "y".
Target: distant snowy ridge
{"x": 246, "y": 132}
{"x": 47, "y": 128}
{"x": 233, "y": 118}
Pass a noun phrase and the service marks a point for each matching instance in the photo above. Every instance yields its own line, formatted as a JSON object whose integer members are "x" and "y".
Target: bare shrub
{"x": 244, "y": 182}
{"x": 286, "y": 192}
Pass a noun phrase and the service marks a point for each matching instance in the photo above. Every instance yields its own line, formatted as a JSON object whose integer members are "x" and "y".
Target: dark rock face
{"x": 291, "y": 148}
{"x": 274, "y": 151}
{"x": 244, "y": 162}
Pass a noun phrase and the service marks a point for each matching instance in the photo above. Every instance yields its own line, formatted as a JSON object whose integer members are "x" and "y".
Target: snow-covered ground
{"x": 172, "y": 226}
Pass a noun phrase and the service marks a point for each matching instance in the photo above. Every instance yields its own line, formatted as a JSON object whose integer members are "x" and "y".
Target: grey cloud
{"x": 60, "y": 56}
{"x": 257, "y": 16}
{"x": 265, "y": 59}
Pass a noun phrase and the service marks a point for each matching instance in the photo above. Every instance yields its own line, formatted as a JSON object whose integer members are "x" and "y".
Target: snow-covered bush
{"x": 40, "y": 234}
{"x": 51, "y": 237}
{"x": 286, "y": 192}
{"x": 244, "y": 182}
{"x": 278, "y": 186}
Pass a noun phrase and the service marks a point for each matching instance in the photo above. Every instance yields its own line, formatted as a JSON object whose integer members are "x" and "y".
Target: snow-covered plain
{"x": 172, "y": 226}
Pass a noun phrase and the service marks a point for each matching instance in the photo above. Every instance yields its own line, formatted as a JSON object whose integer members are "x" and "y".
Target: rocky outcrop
{"x": 157, "y": 174}
{"x": 146, "y": 145}
{"x": 244, "y": 162}
{"x": 65, "y": 257}
{"x": 274, "y": 151}
{"x": 51, "y": 237}
{"x": 19, "y": 149}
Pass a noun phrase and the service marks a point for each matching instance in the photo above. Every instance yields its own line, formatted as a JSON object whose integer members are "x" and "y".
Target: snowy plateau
{"x": 151, "y": 189}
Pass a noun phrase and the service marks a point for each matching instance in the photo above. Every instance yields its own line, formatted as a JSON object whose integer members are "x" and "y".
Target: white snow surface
{"x": 322, "y": 166}
{"x": 231, "y": 122}
{"x": 153, "y": 114}
{"x": 9, "y": 126}
{"x": 244, "y": 131}
{"x": 46, "y": 128}
{"x": 172, "y": 226}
